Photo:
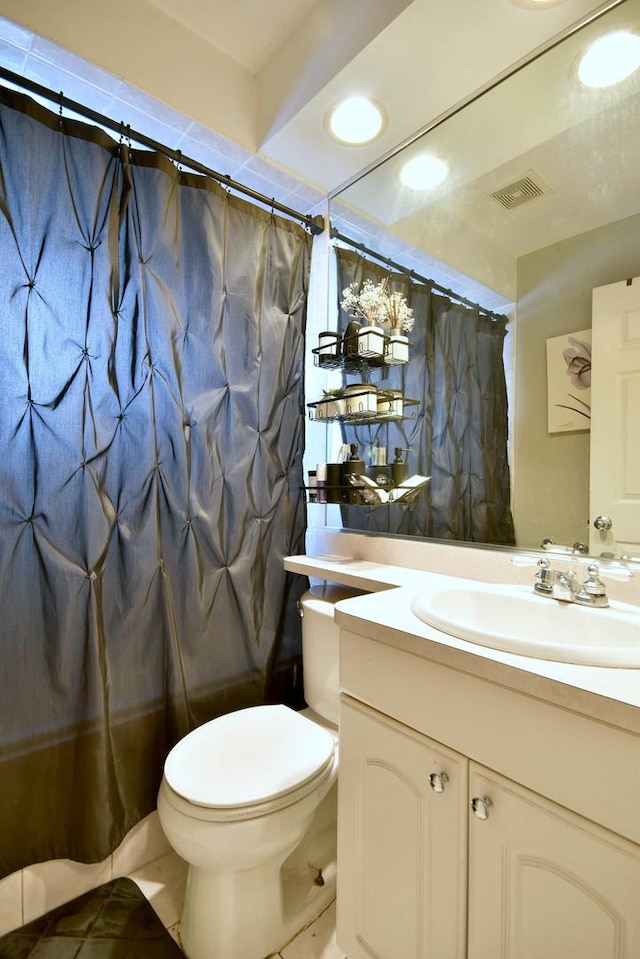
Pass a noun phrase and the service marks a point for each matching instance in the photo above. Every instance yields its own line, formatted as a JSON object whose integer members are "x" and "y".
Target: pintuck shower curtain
{"x": 458, "y": 433}
{"x": 151, "y": 429}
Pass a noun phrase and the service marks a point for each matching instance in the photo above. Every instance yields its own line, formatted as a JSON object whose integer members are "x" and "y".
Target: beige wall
{"x": 551, "y": 471}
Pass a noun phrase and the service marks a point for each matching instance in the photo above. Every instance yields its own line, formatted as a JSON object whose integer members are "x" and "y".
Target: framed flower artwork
{"x": 569, "y": 382}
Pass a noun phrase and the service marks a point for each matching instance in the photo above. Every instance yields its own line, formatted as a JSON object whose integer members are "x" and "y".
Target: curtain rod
{"x": 315, "y": 225}
{"x": 336, "y": 235}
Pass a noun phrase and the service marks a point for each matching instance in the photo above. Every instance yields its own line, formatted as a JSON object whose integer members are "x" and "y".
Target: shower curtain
{"x": 458, "y": 432}
{"x": 151, "y": 428}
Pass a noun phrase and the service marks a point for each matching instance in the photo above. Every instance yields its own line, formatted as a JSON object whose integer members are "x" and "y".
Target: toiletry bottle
{"x": 399, "y": 469}
{"x": 321, "y": 482}
{"x": 328, "y": 347}
{"x": 334, "y": 482}
{"x": 354, "y": 466}
{"x": 313, "y": 488}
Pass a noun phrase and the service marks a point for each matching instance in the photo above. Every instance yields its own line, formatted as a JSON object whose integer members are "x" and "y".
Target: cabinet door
{"x": 544, "y": 882}
{"x": 401, "y": 841}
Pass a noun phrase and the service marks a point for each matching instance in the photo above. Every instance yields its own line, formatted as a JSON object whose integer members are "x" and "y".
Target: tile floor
{"x": 114, "y": 920}
{"x": 163, "y": 883}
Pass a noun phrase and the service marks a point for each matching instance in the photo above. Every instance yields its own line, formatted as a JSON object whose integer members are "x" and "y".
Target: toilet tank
{"x": 320, "y": 648}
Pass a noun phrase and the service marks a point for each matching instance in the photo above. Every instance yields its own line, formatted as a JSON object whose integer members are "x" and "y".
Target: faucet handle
{"x": 545, "y": 577}
{"x": 593, "y": 585}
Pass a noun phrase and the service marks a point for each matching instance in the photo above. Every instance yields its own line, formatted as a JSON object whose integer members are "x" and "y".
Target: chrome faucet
{"x": 567, "y": 588}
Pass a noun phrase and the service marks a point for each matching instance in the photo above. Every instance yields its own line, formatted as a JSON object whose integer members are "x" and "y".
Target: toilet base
{"x": 254, "y": 913}
{"x": 231, "y": 915}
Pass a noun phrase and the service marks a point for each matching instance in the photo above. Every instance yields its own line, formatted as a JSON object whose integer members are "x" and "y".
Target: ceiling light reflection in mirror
{"x": 424, "y": 172}
{"x": 610, "y": 59}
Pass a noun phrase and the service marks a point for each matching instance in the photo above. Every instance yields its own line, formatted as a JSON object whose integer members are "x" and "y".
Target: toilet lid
{"x": 248, "y": 756}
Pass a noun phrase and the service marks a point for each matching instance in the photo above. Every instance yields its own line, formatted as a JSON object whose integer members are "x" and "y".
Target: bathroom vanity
{"x": 488, "y": 802}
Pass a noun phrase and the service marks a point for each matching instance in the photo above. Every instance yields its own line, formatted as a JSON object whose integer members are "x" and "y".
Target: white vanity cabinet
{"x": 545, "y": 882}
{"x": 402, "y": 838}
{"x": 548, "y": 863}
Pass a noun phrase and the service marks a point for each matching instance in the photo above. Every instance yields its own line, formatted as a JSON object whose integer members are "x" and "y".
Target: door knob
{"x": 602, "y": 522}
{"x": 480, "y": 806}
{"x": 438, "y": 781}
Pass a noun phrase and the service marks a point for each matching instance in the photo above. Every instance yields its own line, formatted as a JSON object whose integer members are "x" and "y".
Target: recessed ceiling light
{"x": 424, "y": 172}
{"x": 356, "y": 120}
{"x": 610, "y": 59}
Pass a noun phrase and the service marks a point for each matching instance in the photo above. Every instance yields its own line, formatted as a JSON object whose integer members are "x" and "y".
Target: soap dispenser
{"x": 399, "y": 469}
{"x": 353, "y": 467}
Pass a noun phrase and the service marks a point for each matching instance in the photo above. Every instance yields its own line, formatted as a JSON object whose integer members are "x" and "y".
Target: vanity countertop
{"x": 359, "y": 573}
{"x": 606, "y": 694}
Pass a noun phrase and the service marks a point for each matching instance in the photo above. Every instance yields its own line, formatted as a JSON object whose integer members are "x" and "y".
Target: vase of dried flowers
{"x": 397, "y": 349}
{"x": 373, "y": 307}
{"x": 401, "y": 319}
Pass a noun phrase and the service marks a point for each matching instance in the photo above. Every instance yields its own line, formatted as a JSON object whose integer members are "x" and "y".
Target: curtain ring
{"x": 60, "y": 99}
{"x": 179, "y": 161}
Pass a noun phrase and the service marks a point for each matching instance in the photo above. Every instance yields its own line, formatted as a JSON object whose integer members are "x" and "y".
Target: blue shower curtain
{"x": 151, "y": 428}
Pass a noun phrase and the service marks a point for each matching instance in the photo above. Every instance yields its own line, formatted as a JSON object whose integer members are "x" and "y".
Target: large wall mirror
{"x": 540, "y": 207}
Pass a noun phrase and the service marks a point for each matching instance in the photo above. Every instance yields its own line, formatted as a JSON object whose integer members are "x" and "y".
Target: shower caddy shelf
{"x": 405, "y": 503}
{"x": 362, "y": 418}
{"x": 363, "y": 363}
{"x": 357, "y": 362}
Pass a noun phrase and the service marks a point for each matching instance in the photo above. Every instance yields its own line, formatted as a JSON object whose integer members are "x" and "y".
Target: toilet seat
{"x": 249, "y": 762}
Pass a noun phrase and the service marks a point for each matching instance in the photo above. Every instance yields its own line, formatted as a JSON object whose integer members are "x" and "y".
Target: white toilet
{"x": 249, "y": 800}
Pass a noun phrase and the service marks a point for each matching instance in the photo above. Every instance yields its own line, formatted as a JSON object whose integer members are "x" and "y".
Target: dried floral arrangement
{"x": 376, "y": 306}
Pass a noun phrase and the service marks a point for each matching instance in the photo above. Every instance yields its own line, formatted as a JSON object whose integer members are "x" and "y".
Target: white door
{"x": 615, "y": 419}
{"x": 545, "y": 883}
{"x": 402, "y": 841}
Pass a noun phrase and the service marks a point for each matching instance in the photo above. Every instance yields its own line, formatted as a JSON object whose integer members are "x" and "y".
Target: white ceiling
{"x": 248, "y": 31}
{"x": 249, "y": 82}
{"x": 263, "y": 73}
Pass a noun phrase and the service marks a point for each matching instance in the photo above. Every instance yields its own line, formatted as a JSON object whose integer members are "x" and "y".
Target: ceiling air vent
{"x": 515, "y": 194}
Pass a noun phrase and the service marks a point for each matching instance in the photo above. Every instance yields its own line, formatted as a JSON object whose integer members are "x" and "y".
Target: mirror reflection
{"x": 534, "y": 204}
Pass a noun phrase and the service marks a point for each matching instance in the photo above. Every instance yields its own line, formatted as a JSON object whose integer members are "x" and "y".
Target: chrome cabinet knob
{"x": 438, "y": 781}
{"x": 480, "y": 806}
{"x": 602, "y": 522}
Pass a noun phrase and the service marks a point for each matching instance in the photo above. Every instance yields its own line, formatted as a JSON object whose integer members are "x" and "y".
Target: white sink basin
{"x": 514, "y": 619}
